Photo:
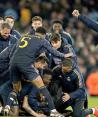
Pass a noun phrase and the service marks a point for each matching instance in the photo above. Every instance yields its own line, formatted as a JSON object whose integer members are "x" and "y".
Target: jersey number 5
{"x": 24, "y": 42}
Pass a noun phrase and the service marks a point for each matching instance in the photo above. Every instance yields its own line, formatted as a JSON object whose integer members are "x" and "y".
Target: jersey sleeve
{"x": 52, "y": 50}
{"x": 89, "y": 23}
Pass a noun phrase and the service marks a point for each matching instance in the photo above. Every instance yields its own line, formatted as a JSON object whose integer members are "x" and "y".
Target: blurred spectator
{"x": 92, "y": 83}
{"x": 85, "y": 39}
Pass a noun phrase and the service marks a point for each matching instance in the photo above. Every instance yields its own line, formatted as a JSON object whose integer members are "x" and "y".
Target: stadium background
{"x": 84, "y": 38}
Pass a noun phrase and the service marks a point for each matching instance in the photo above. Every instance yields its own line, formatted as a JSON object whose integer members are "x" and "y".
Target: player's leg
{"x": 14, "y": 75}
{"x": 77, "y": 108}
{"x": 32, "y": 75}
{"x": 14, "y": 111}
{"x": 39, "y": 84}
{"x": 87, "y": 112}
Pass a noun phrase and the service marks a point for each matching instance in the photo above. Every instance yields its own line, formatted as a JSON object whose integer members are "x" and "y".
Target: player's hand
{"x": 75, "y": 13}
{"x": 66, "y": 97}
{"x": 68, "y": 55}
{"x": 41, "y": 115}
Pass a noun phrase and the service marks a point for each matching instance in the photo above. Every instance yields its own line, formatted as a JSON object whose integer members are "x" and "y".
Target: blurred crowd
{"x": 84, "y": 38}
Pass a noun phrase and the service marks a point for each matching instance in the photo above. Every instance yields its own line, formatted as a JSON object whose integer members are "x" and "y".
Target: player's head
{"x": 41, "y": 32}
{"x": 56, "y": 40}
{"x": 41, "y": 62}
{"x": 57, "y": 26}
{"x": 5, "y": 30}
{"x": 36, "y": 22}
{"x": 47, "y": 76}
{"x": 1, "y": 21}
{"x": 67, "y": 65}
{"x": 10, "y": 20}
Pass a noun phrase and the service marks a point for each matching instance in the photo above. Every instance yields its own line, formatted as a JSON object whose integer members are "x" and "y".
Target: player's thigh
{"x": 14, "y": 74}
{"x": 31, "y": 74}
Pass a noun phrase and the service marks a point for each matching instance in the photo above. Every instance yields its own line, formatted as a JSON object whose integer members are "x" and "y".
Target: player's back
{"x": 27, "y": 49}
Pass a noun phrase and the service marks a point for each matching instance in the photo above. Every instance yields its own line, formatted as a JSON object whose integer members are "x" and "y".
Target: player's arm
{"x": 53, "y": 51}
{"x": 81, "y": 88}
{"x": 11, "y": 98}
{"x": 88, "y": 22}
{"x": 27, "y": 107}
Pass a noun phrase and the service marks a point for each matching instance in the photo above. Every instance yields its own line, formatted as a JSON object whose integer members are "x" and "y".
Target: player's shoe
{"x": 56, "y": 114}
{"x": 95, "y": 112}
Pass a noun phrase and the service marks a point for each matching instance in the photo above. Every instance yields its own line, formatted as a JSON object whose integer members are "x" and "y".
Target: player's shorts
{"x": 29, "y": 72}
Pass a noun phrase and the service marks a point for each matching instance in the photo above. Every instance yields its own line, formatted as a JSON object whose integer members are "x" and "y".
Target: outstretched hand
{"x": 75, "y": 13}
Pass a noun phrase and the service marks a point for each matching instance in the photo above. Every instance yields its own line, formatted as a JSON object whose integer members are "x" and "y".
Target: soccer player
{"x": 35, "y": 99}
{"x": 36, "y": 22}
{"x": 90, "y": 23}
{"x": 65, "y": 48}
{"x": 26, "y": 87}
{"x": 6, "y": 40}
{"x": 57, "y": 27}
{"x": 24, "y": 56}
{"x": 93, "y": 25}
{"x": 73, "y": 90}
{"x": 10, "y": 20}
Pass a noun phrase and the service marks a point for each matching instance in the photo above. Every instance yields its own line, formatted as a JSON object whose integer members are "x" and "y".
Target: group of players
{"x": 39, "y": 74}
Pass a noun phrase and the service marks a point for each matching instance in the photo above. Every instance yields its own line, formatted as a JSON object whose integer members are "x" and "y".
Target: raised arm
{"x": 88, "y": 22}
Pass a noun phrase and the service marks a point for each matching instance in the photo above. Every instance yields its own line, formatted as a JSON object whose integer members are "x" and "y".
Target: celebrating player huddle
{"x": 39, "y": 72}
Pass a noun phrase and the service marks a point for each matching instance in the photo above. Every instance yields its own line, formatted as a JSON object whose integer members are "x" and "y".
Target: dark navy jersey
{"x": 90, "y": 23}
{"x": 66, "y": 36}
{"x": 15, "y": 34}
{"x": 32, "y": 31}
{"x": 7, "y": 42}
{"x": 28, "y": 47}
{"x": 66, "y": 49}
{"x": 71, "y": 82}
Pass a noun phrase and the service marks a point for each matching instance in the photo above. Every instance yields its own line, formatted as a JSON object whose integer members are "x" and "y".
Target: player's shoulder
{"x": 12, "y": 37}
{"x": 66, "y": 33}
{"x": 26, "y": 36}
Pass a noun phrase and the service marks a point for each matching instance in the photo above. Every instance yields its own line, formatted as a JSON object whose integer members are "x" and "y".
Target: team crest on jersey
{"x": 68, "y": 79}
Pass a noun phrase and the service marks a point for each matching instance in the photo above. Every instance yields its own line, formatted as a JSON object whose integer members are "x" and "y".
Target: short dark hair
{"x": 41, "y": 30}
{"x": 67, "y": 62}
{"x": 9, "y": 16}
{"x": 55, "y": 37}
{"x": 56, "y": 21}
{"x": 47, "y": 71}
{"x": 5, "y": 25}
{"x": 35, "y": 18}
{"x": 42, "y": 59}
